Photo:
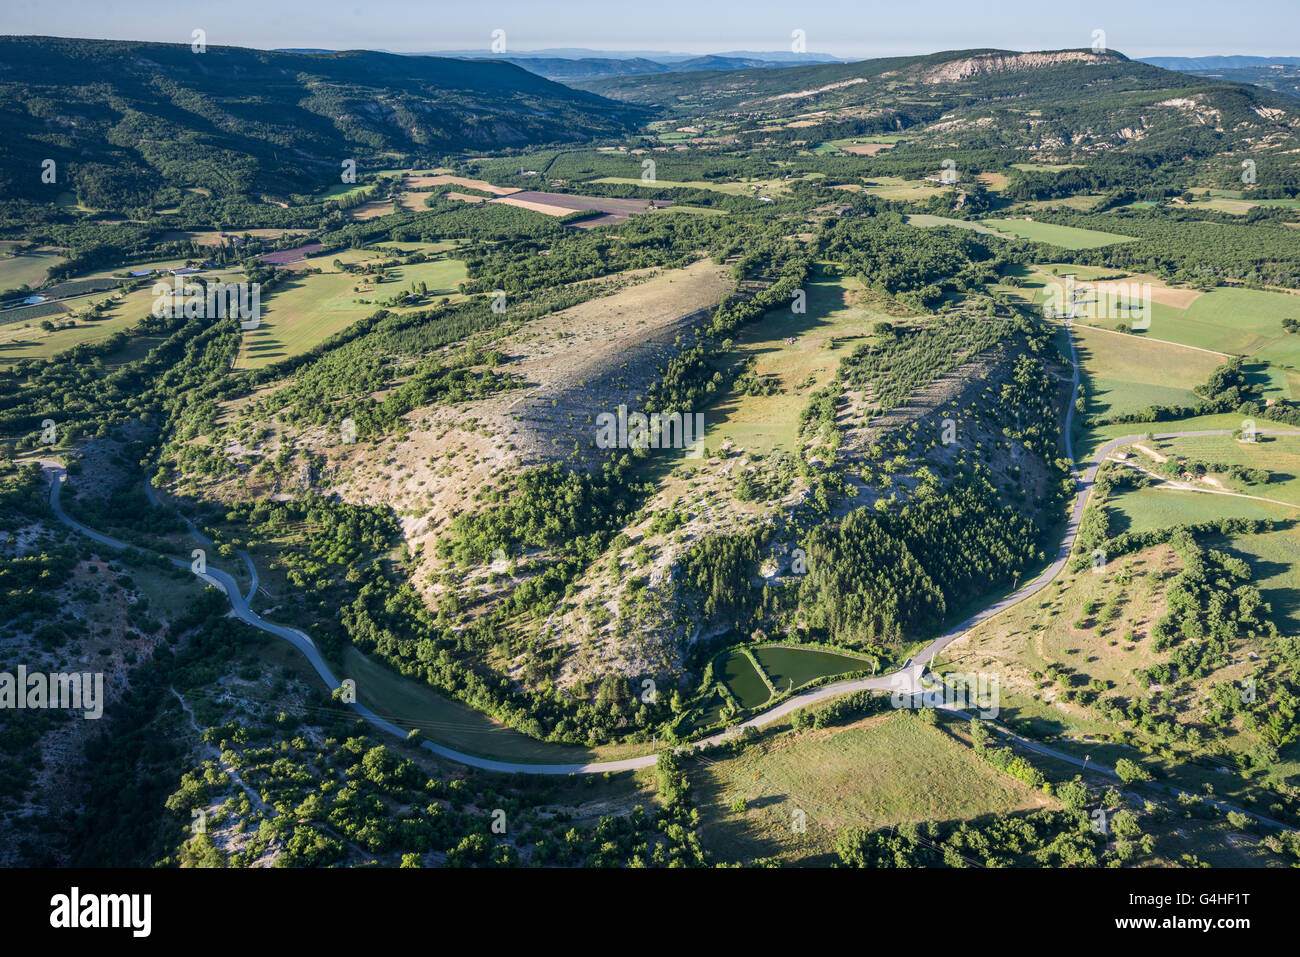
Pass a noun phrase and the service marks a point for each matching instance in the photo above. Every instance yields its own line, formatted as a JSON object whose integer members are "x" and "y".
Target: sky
{"x": 844, "y": 28}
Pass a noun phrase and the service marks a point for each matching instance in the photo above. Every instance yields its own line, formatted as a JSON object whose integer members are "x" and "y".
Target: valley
{"x": 660, "y": 462}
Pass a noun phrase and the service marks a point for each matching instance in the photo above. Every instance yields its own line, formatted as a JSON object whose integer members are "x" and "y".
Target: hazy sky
{"x": 850, "y": 29}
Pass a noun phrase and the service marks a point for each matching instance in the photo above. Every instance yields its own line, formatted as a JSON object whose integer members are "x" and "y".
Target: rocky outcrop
{"x": 987, "y": 63}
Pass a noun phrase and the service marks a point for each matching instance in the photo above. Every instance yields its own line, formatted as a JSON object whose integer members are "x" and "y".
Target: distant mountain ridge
{"x": 559, "y": 68}
{"x": 659, "y": 56}
{"x": 123, "y": 119}
{"x": 1279, "y": 73}
{"x": 1040, "y": 100}
{"x": 1186, "y": 64}
{"x": 580, "y": 63}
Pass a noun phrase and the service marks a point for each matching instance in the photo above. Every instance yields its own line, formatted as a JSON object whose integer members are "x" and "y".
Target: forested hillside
{"x": 122, "y": 120}
{"x": 980, "y": 98}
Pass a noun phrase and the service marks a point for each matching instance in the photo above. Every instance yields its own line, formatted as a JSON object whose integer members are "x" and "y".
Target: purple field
{"x": 291, "y": 255}
{"x": 560, "y": 204}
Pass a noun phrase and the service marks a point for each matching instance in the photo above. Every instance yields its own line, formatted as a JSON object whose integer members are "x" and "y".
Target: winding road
{"x": 906, "y": 680}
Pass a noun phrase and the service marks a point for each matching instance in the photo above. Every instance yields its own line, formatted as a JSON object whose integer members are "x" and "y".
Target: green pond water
{"x": 802, "y": 665}
{"x": 745, "y": 682}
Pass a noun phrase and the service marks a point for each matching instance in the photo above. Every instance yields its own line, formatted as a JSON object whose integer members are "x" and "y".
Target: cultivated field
{"x": 1127, "y": 373}
{"x": 307, "y": 309}
{"x": 863, "y": 145}
{"x": 750, "y": 187}
{"x": 213, "y": 237}
{"x": 563, "y": 204}
{"x": 1067, "y": 237}
{"x": 904, "y": 190}
{"x": 1140, "y": 510}
{"x": 1229, "y": 320}
{"x": 1242, "y": 321}
{"x": 875, "y": 772}
{"x": 418, "y": 182}
{"x": 29, "y": 269}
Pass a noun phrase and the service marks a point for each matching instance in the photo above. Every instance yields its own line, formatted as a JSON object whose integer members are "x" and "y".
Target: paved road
{"x": 907, "y": 680}
{"x": 1045, "y": 751}
{"x": 194, "y": 530}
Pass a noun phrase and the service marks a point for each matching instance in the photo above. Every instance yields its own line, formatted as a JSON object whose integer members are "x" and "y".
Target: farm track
{"x": 906, "y": 681}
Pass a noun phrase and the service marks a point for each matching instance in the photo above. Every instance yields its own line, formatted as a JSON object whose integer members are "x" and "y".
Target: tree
{"x": 1125, "y": 824}
{"x": 1238, "y": 820}
{"x": 1073, "y": 794}
{"x": 1131, "y": 771}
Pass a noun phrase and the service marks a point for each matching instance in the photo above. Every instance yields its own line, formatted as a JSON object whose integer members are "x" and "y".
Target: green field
{"x": 1067, "y": 237}
{"x": 1084, "y": 202}
{"x": 1235, "y": 207}
{"x": 1226, "y": 319}
{"x": 409, "y": 704}
{"x": 1243, "y": 321}
{"x": 749, "y": 188}
{"x": 341, "y": 190}
{"x": 1140, "y": 510}
{"x": 305, "y": 310}
{"x": 1126, "y": 373}
{"x": 28, "y": 269}
{"x": 833, "y": 146}
{"x": 300, "y": 313}
{"x": 878, "y": 771}
{"x": 1239, "y": 202}
{"x": 838, "y": 316}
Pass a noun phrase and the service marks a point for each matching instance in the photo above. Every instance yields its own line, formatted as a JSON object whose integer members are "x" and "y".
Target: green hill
{"x": 123, "y": 119}
{"x": 1058, "y": 99}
